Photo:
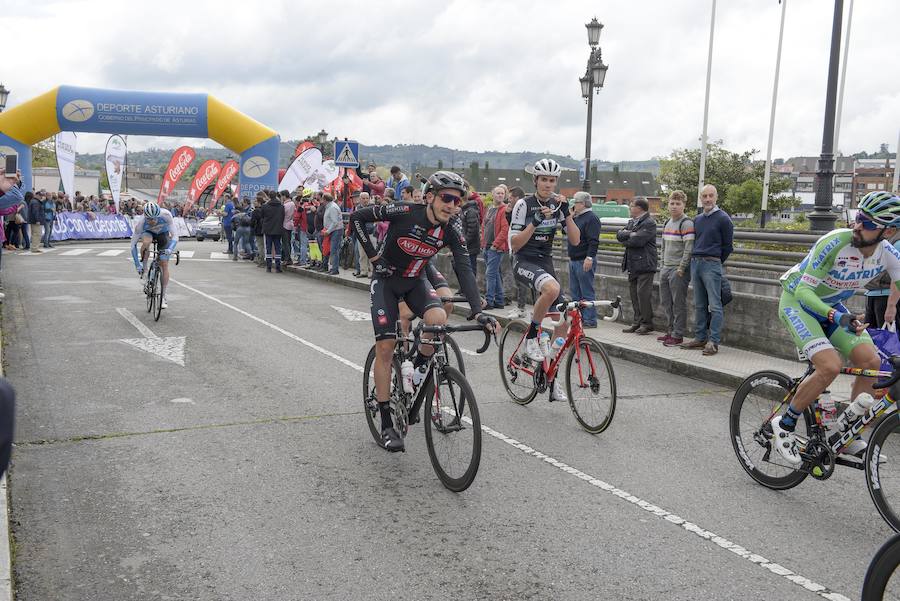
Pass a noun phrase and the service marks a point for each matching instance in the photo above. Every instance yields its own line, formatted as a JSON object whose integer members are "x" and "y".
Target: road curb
{"x": 6, "y": 592}
{"x": 656, "y": 361}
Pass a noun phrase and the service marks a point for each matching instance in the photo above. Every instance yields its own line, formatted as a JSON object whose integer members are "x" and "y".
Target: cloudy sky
{"x": 475, "y": 74}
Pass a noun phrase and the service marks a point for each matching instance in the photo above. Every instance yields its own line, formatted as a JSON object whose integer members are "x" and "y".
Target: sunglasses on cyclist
{"x": 450, "y": 198}
{"x": 867, "y": 223}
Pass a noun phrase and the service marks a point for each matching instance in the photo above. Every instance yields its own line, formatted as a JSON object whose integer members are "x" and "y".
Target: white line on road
{"x": 290, "y": 335}
{"x": 76, "y": 251}
{"x": 186, "y": 254}
{"x": 468, "y": 352}
{"x": 111, "y": 253}
{"x": 144, "y": 330}
{"x": 653, "y": 509}
{"x": 218, "y": 255}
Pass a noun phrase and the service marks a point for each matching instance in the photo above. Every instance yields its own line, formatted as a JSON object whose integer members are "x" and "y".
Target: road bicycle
{"x": 452, "y": 421}
{"x": 877, "y": 584}
{"x": 764, "y": 394}
{"x": 153, "y": 288}
{"x": 590, "y": 380}
{"x": 452, "y": 351}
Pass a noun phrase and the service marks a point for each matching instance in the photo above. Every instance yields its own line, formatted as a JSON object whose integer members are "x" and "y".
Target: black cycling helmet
{"x": 442, "y": 180}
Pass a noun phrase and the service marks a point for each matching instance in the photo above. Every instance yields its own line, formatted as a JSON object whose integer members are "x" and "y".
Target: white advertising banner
{"x": 301, "y": 169}
{"x": 65, "y": 161}
{"x": 116, "y": 153}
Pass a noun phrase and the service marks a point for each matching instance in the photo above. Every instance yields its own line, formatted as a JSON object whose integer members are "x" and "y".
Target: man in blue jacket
{"x": 227, "y": 217}
{"x": 583, "y": 256}
{"x": 713, "y": 242}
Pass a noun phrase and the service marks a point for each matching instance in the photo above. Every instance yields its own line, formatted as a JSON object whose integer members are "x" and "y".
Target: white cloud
{"x": 496, "y": 74}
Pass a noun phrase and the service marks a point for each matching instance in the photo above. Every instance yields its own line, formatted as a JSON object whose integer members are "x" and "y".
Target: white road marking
{"x": 76, "y": 251}
{"x": 130, "y": 317}
{"x": 110, "y": 253}
{"x": 170, "y": 348}
{"x": 468, "y": 352}
{"x": 186, "y": 254}
{"x": 650, "y": 508}
{"x": 352, "y": 314}
{"x": 218, "y": 255}
{"x": 183, "y": 400}
{"x": 290, "y": 335}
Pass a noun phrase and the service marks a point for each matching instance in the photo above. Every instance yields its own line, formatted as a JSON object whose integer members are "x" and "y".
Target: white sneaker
{"x": 785, "y": 443}
{"x": 558, "y": 393}
{"x": 516, "y": 313}
{"x": 533, "y": 350}
{"x": 165, "y": 303}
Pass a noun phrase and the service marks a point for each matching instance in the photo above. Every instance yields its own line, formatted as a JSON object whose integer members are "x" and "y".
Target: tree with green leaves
{"x": 737, "y": 177}
{"x": 43, "y": 154}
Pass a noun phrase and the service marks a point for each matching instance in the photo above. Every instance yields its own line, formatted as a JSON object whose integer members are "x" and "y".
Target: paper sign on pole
{"x": 65, "y": 161}
{"x": 116, "y": 154}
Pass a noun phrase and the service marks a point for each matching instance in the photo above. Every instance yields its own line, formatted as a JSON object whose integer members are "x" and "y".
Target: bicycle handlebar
{"x": 449, "y": 329}
{"x": 564, "y": 307}
{"x": 895, "y": 363}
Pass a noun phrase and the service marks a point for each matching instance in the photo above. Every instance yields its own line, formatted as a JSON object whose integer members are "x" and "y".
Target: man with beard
{"x": 812, "y": 309}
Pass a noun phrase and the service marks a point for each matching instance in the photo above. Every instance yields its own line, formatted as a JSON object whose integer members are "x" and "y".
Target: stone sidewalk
{"x": 729, "y": 367}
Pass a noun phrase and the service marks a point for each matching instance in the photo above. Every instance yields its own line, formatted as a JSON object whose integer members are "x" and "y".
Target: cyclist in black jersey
{"x": 532, "y": 228}
{"x": 415, "y": 234}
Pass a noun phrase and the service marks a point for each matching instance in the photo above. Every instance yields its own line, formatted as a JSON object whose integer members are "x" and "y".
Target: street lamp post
{"x": 593, "y": 78}
{"x": 321, "y": 139}
{"x": 4, "y": 94}
{"x": 822, "y": 218}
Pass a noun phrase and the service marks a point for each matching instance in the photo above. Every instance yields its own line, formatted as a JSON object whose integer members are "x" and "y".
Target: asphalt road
{"x": 248, "y": 472}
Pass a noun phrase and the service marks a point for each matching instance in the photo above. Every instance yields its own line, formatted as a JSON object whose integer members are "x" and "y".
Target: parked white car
{"x": 211, "y": 227}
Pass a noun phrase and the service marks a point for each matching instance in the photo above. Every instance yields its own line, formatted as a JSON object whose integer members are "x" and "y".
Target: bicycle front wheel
{"x": 158, "y": 296}
{"x": 883, "y": 469}
{"x": 878, "y": 584}
{"x": 454, "y": 355}
{"x": 452, "y": 429}
{"x": 370, "y": 403}
{"x": 591, "y": 385}
{"x": 150, "y": 291}
{"x": 755, "y": 402}
{"x": 516, "y": 369}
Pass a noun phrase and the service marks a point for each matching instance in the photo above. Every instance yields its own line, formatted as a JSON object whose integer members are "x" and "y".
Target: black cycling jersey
{"x": 540, "y": 245}
{"x": 412, "y": 239}
{"x": 435, "y": 277}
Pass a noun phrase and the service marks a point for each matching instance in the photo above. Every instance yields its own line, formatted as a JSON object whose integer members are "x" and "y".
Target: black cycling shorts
{"x": 534, "y": 273}
{"x": 161, "y": 239}
{"x": 417, "y": 293}
{"x": 435, "y": 277}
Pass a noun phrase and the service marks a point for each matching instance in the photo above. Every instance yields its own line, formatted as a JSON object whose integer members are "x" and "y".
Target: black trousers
{"x": 641, "y": 288}
{"x": 875, "y": 308}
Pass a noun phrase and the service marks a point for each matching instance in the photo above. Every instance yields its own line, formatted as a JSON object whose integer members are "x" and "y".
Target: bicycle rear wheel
{"x": 591, "y": 385}
{"x": 370, "y": 404}
{"x": 878, "y": 584}
{"x": 158, "y": 290}
{"x": 516, "y": 369}
{"x": 754, "y": 403}
{"x": 883, "y": 470}
{"x": 452, "y": 429}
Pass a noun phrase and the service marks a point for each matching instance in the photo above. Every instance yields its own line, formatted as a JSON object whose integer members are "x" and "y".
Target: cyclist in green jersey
{"x": 812, "y": 309}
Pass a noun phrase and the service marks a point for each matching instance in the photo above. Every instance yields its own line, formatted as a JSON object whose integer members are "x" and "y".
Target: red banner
{"x": 229, "y": 170}
{"x": 181, "y": 160}
{"x": 206, "y": 176}
{"x": 303, "y": 146}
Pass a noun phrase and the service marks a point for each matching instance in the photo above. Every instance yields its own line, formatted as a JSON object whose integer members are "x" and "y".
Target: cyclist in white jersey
{"x": 156, "y": 225}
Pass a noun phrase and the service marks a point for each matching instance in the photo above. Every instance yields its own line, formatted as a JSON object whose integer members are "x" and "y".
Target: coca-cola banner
{"x": 229, "y": 170}
{"x": 181, "y": 160}
{"x": 65, "y": 160}
{"x": 116, "y": 152}
{"x": 206, "y": 176}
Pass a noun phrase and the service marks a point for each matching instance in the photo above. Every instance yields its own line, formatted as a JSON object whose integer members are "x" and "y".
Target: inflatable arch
{"x": 70, "y": 108}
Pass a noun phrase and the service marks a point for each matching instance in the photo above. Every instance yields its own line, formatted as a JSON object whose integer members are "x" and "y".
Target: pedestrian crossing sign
{"x": 346, "y": 154}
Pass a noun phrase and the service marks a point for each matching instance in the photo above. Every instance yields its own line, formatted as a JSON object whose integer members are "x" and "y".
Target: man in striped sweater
{"x": 675, "y": 275}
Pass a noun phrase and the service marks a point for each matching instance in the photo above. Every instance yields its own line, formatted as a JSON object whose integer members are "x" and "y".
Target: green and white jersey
{"x": 834, "y": 269}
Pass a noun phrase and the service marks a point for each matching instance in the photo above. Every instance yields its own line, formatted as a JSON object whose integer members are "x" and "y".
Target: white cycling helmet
{"x": 545, "y": 167}
{"x": 151, "y": 210}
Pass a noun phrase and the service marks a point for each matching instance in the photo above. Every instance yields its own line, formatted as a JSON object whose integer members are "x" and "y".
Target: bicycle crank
{"x": 820, "y": 458}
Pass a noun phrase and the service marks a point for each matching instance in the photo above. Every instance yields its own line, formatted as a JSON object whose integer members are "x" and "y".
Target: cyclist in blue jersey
{"x": 156, "y": 225}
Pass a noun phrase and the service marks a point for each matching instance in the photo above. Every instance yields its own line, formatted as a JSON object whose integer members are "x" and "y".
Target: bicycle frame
{"x": 855, "y": 428}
